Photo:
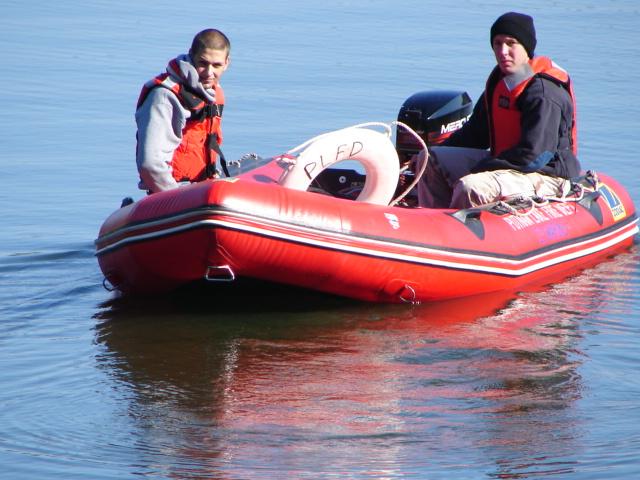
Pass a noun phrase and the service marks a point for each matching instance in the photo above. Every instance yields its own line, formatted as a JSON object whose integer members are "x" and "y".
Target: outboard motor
{"x": 434, "y": 115}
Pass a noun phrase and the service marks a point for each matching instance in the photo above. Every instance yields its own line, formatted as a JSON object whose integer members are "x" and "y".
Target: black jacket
{"x": 545, "y": 143}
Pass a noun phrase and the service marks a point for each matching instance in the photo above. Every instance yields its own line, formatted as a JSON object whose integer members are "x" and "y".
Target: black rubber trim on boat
{"x": 470, "y": 217}
{"x": 589, "y": 202}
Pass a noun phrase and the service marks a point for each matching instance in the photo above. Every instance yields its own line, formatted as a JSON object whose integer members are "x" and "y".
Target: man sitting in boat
{"x": 179, "y": 116}
{"x": 526, "y": 120}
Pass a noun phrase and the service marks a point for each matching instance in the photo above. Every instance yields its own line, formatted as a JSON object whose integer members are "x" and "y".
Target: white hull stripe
{"x": 268, "y": 222}
{"x": 512, "y": 267}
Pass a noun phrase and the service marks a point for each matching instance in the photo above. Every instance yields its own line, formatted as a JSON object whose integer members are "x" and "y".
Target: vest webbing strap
{"x": 212, "y": 143}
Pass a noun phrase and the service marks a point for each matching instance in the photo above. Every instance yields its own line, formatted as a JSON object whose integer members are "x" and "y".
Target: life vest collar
{"x": 515, "y": 79}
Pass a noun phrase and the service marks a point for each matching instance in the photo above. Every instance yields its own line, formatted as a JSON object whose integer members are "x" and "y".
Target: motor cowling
{"x": 434, "y": 115}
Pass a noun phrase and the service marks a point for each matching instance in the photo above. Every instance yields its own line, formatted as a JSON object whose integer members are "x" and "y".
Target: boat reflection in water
{"x": 483, "y": 384}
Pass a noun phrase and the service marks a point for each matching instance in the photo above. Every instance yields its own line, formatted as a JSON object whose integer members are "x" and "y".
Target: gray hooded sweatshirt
{"x": 160, "y": 120}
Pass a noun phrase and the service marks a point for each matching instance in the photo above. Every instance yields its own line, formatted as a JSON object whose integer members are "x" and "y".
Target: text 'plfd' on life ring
{"x": 373, "y": 150}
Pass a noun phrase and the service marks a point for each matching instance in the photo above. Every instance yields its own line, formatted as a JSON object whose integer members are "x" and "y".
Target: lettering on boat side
{"x": 613, "y": 202}
{"x": 540, "y": 215}
{"x": 393, "y": 220}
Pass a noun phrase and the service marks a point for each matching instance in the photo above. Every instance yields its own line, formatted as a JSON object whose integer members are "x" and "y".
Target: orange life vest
{"x": 504, "y": 117}
{"x": 195, "y": 157}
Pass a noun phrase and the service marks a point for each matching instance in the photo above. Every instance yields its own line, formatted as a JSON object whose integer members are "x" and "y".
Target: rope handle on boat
{"x": 423, "y": 165}
{"x": 574, "y": 194}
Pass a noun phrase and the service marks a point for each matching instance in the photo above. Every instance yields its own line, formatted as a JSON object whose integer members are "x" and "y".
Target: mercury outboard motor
{"x": 433, "y": 115}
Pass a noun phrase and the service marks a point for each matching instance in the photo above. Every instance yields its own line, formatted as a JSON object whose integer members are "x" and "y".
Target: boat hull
{"x": 251, "y": 227}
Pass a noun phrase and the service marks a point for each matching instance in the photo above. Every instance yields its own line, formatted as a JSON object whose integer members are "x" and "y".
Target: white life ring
{"x": 374, "y": 151}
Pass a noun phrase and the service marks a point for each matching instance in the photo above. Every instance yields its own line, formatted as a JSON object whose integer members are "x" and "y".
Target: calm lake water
{"x": 282, "y": 383}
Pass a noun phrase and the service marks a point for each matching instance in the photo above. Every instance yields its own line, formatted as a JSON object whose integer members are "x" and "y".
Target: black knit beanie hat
{"x": 518, "y": 26}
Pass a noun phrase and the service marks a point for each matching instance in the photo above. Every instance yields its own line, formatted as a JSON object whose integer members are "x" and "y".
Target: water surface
{"x": 282, "y": 383}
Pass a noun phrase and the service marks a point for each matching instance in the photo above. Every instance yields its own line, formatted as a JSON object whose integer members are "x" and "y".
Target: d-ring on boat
{"x": 297, "y": 219}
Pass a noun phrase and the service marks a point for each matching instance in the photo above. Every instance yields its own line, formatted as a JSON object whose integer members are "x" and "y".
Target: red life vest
{"x": 504, "y": 119}
{"x": 195, "y": 157}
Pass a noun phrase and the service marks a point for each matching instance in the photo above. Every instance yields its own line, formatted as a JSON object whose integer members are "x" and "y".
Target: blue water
{"x": 294, "y": 385}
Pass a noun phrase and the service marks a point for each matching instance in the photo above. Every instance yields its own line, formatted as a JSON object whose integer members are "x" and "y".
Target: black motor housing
{"x": 433, "y": 115}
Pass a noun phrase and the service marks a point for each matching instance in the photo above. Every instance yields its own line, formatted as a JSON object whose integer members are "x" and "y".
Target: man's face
{"x": 510, "y": 54}
{"x": 210, "y": 65}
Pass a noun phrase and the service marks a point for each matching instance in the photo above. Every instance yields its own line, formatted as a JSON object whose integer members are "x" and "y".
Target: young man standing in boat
{"x": 521, "y": 136}
{"x": 178, "y": 116}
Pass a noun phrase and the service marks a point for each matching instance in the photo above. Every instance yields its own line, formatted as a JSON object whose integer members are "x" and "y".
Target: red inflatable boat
{"x": 296, "y": 219}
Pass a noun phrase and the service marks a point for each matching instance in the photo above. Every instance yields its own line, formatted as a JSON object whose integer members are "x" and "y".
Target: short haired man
{"x": 179, "y": 115}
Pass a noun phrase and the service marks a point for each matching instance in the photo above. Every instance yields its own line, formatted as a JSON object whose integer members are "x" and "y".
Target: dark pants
{"x": 446, "y": 165}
